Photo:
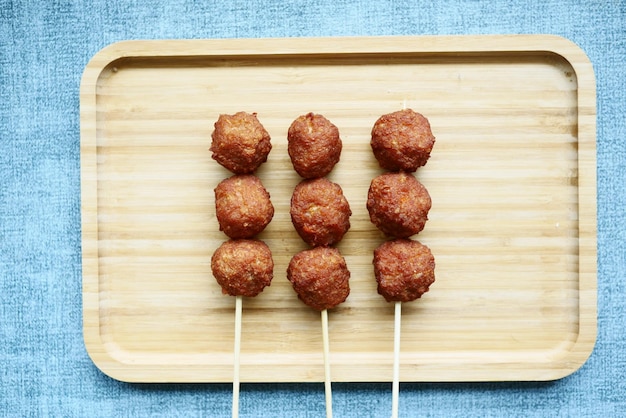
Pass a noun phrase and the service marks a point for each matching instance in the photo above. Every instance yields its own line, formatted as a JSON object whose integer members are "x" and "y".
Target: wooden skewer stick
{"x": 327, "y": 385}
{"x": 395, "y": 387}
{"x": 237, "y": 350}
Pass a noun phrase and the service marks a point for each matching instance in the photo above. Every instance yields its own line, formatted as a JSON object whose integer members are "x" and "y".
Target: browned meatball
{"x": 313, "y": 145}
{"x": 398, "y": 204}
{"x": 320, "y": 212}
{"x": 243, "y": 267}
{"x": 320, "y": 277}
{"x": 242, "y": 206}
{"x": 404, "y": 270}
{"x": 240, "y": 143}
{"x": 402, "y": 140}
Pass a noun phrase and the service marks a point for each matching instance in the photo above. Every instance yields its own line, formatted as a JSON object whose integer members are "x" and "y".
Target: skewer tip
{"x": 327, "y": 380}
{"x": 395, "y": 387}
{"x": 237, "y": 351}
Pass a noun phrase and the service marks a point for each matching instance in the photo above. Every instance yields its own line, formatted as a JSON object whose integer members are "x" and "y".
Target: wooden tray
{"x": 513, "y": 223}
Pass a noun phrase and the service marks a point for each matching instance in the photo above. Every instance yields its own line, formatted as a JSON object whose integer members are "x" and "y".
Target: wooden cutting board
{"x": 512, "y": 227}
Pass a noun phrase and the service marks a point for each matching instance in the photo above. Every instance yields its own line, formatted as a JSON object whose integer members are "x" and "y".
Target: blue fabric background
{"x": 44, "y": 47}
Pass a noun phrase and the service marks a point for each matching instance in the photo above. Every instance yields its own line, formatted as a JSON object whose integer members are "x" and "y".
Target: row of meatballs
{"x": 397, "y": 203}
{"x": 319, "y": 212}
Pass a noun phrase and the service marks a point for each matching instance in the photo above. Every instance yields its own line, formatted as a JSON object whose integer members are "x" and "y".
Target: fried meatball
{"x": 243, "y": 267}
{"x": 242, "y": 206}
{"x": 320, "y": 277}
{"x": 240, "y": 143}
{"x": 402, "y": 140}
{"x": 313, "y": 145}
{"x": 404, "y": 269}
{"x": 398, "y": 204}
{"x": 319, "y": 211}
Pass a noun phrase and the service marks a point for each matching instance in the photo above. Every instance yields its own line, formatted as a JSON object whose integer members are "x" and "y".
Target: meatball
{"x": 242, "y": 206}
{"x": 243, "y": 267}
{"x": 320, "y": 277}
{"x": 240, "y": 143}
{"x": 313, "y": 145}
{"x": 398, "y": 204}
{"x": 320, "y": 212}
{"x": 404, "y": 269}
{"x": 402, "y": 140}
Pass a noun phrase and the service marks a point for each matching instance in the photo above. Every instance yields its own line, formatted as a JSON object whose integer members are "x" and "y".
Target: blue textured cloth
{"x": 44, "y": 47}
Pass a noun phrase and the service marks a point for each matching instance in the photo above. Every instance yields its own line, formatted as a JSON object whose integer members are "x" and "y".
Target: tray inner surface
{"x": 503, "y": 177}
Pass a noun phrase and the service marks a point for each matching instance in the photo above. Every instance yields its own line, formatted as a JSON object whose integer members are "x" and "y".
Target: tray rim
{"x": 581, "y": 349}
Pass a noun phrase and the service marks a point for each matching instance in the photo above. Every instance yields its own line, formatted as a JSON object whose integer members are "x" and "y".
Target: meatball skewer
{"x": 398, "y": 205}
{"x": 242, "y": 266}
{"x": 320, "y": 214}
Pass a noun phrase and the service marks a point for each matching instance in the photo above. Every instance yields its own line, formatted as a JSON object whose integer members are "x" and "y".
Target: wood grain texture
{"x": 512, "y": 228}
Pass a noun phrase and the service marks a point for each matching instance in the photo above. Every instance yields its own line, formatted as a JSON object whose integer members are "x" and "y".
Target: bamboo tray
{"x": 513, "y": 223}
